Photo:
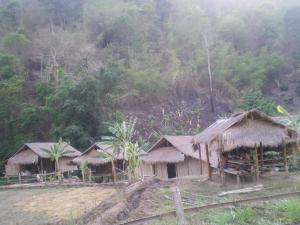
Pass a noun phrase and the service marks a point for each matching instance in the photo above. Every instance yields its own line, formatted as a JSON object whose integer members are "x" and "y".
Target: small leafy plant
{"x": 289, "y": 210}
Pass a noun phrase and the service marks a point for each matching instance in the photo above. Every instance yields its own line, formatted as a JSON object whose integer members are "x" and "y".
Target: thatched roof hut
{"x": 172, "y": 156}
{"x": 32, "y": 157}
{"x": 245, "y": 129}
{"x": 238, "y": 144}
{"x": 29, "y": 153}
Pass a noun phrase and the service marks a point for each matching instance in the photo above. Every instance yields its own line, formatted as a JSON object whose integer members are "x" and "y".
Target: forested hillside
{"x": 69, "y": 68}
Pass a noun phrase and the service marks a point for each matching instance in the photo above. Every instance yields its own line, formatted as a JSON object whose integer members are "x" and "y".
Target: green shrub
{"x": 289, "y": 210}
{"x": 242, "y": 216}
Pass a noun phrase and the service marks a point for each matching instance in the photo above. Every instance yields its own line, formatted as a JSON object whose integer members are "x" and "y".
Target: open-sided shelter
{"x": 173, "y": 156}
{"x": 246, "y": 143}
{"x": 32, "y": 158}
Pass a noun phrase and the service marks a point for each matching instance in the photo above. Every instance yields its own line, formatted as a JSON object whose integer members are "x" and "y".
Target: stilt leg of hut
{"x": 222, "y": 170}
{"x": 261, "y": 156}
{"x": 200, "y": 159}
{"x": 256, "y": 165}
{"x": 285, "y": 160}
{"x": 208, "y": 163}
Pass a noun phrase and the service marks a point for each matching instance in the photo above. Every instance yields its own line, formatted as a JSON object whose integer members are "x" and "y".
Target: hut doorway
{"x": 171, "y": 169}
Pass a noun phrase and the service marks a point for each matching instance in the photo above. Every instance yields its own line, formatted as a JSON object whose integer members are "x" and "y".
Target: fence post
{"x": 178, "y": 205}
{"x": 20, "y": 181}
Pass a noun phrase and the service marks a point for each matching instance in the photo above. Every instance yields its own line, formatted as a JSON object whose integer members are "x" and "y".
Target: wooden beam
{"x": 208, "y": 163}
{"x": 222, "y": 163}
{"x": 200, "y": 158}
{"x": 261, "y": 155}
{"x": 285, "y": 159}
{"x": 256, "y": 164}
{"x": 178, "y": 206}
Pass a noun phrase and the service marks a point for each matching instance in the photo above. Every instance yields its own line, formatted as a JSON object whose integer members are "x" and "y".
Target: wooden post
{"x": 200, "y": 158}
{"x": 285, "y": 159}
{"x": 222, "y": 163}
{"x": 208, "y": 163}
{"x": 90, "y": 175}
{"x": 256, "y": 164}
{"x": 178, "y": 205}
{"x": 20, "y": 181}
{"x": 261, "y": 156}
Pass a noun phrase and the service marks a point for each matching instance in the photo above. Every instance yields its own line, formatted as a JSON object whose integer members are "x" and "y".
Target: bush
{"x": 243, "y": 215}
{"x": 288, "y": 210}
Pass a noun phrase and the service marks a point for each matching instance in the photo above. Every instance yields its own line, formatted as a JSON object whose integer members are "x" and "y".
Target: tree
{"x": 121, "y": 141}
{"x": 254, "y": 99}
{"x": 57, "y": 151}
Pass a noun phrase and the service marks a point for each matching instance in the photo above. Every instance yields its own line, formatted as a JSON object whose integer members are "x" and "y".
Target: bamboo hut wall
{"x": 65, "y": 164}
{"x": 147, "y": 169}
{"x": 12, "y": 169}
{"x": 213, "y": 156}
{"x": 182, "y": 168}
{"x": 161, "y": 170}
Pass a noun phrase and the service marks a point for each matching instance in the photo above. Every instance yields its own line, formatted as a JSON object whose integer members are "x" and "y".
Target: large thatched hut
{"x": 173, "y": 156}
{"x": 100, "y": 165}
{"x": 247, "y": 142}
{"x": 32, "y": 158}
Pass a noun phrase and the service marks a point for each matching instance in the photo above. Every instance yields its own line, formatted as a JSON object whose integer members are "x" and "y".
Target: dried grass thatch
{"x": 93, "y": 157}
{"x": 24, "y": 157}
{"x": 164, "y": 155}
{"x": 29, "y": 153}
{"x": 247, "y": 129}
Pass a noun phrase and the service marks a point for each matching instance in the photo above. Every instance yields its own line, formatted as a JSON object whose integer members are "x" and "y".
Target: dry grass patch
{"x": 66, "y": 204}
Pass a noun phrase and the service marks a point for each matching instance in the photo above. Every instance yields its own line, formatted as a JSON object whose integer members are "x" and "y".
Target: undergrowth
{"x": 288, "y": 210}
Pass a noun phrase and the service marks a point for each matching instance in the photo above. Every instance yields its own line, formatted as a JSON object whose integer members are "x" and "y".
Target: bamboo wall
{"x": 65, "y": 164}
{"x": 12, "y": 169}
{"x": 189, "y": 167}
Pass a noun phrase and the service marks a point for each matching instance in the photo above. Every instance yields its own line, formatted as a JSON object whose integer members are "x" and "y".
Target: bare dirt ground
{"x": 49, "y": 205}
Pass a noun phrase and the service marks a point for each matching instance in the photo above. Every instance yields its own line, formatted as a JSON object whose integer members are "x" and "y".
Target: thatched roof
{"x": 164, "y": 154}
{"x": 30, "y": 152}
{"x": 246, "y": 129}
{"x": 93, "y": 153}
{"x": 171, "y": 149}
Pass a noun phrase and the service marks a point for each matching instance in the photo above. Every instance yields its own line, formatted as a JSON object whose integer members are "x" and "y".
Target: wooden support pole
{"x": 222, "y": 163}
{"x": 261, "y": 154}
{"x": 20, "y": 181}
{"x": 178, "y": 205}
{"x": 200, "y": 158}
{"x": 285, "y": 159}
{"x": 256, "y": 164}
{"x": 208, "y": 163}
{"x": 90, "y": 175}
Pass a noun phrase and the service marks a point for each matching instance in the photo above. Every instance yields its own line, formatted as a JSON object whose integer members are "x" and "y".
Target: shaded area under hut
{"x": 173, "y": 156}
{"x": 32, "y": 158}
{"x": 101, "y": 167}
{"x": 247, "y": 143}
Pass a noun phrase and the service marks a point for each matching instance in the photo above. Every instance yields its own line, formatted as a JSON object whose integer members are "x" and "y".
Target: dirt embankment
{"x": 118, "y": 207}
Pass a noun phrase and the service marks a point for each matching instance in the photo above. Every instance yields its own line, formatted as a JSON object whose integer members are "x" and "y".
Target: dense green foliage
{"x": 65, "y": 64}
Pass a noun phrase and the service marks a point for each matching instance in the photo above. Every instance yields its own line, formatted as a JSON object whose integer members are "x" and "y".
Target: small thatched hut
{"x": 32, "y": 158}
{"x": 246, "y": 142}
{"x": 98, "y": 164}
{"x": 173, "y": 156}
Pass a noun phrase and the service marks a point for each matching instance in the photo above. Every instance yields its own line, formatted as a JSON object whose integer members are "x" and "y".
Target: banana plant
{"x": 293, "y": 121}
{"x": 57, "y": 151}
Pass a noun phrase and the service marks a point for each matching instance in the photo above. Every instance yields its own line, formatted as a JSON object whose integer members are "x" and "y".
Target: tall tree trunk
{"x": 209, "y": 73}
{"x": 58, "y": 172}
